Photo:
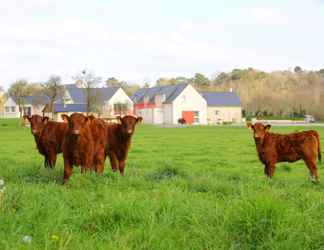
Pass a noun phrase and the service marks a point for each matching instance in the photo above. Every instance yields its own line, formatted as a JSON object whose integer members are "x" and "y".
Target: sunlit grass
{"x": 188, "y": 188}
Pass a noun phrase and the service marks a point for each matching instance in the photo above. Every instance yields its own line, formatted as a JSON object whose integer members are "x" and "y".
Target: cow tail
{"x": 319, "y": 149}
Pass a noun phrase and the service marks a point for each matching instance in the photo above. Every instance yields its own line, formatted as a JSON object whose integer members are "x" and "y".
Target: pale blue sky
{"x": 146, "y": 39}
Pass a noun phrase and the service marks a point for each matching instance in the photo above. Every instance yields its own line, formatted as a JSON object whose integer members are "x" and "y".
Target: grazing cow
{"x": 273, "y": 148}
{"x": 48, "y": 137}
{"x": 78, "y": 145}
{"x": 119, "y": 140}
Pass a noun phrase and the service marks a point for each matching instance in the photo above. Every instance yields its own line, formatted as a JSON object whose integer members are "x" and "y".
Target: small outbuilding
{"x": 223, "y": 107}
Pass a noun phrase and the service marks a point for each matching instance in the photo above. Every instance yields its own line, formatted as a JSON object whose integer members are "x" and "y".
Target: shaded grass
{"x": 188, "y": 188}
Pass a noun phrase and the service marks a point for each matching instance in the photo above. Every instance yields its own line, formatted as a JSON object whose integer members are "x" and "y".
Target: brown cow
{"x": 273, "y": 148}
{"x": 119, "y": 140}
{"x": 78, "y": 145}
{"x": 48, "y": 137}
{"x": 99, "y": 135}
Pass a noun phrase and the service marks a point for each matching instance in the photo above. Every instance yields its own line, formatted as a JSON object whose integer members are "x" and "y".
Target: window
{"x": 196, "y": 117}
{"x": 7, "y": 109}
{"x": 120, "y": 108}
{"x": 13, "y": 109}
{"x": 216, "y": 112}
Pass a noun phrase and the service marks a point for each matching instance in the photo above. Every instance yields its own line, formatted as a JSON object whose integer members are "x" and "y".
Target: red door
{"x": 188, "y": 116}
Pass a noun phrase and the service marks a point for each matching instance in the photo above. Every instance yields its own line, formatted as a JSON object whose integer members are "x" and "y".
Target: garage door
{"x": 188, "y": 116}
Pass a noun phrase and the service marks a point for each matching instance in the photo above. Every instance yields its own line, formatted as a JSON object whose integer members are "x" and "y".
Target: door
{"x": 188, "y": 116}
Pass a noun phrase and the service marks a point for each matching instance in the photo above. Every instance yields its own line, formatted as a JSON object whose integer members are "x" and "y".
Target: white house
{"x": 167, "y": 104}
{"x": 223, "y": 107}
{"x": 31, "y": 105}
{"x": 106, "y": 102}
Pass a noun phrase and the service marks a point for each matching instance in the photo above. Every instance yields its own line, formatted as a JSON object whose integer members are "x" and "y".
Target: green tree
{"x": 200, "y": 80}
{"x": 114, "y": 82}
{"x": 89, "y": 81}
{"x": 298, "y": 69}
{"x": 19, "y": 91}
{"x": 54, "y": 89}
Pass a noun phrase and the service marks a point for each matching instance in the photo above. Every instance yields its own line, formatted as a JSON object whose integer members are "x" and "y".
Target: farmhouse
{"x": 106, "y": 102}
{"x": 30, "y": 105}
{"x": 223, "y": 107}
{"x": 167, "y": 104}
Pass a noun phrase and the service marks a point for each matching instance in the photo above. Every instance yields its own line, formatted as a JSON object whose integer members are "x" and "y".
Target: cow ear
{"x": 139, "y": 119}
{"x": 267, "y": 127}
{"x": 250, "y": 125}
{"x": 65, "y": 118}
{"x": 91, "y": 117}
{"x": 88, "y": 119}
{"x": 26, "y": 117}
{"x": 45, "y": 119}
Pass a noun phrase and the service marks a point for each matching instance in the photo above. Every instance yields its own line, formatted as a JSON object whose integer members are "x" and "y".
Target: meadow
{"x": 184, "y": 188}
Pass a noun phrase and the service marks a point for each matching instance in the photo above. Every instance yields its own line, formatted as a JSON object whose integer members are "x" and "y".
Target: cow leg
{"x": 52, "y": 158}
{"x": 113, "y": 161}
{"x": 100, "y": 160}
{"x": 122, "y": 167}
{"x": 45, "y": 162}
{"x": 269, "y": 170}
{"x": 67, "y": 171}
{"x": 272, "y": 169}
{"x": 311, "y": 164}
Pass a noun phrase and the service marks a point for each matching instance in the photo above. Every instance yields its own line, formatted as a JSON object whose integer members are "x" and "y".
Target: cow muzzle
{"x": 130, "y": 131}
{"x": 34, "y": 131}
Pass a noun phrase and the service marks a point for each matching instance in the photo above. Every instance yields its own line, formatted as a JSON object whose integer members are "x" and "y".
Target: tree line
{"x": 288, "y": 93}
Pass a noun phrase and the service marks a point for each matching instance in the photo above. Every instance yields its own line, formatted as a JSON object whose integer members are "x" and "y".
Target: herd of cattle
{"x": 86, "y": 141}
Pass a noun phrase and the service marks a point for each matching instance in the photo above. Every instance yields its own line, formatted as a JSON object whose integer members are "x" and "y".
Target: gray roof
{"x": 78, "y": 95}
{"x": 170, "y": 91}
{"x": 60, "y": 107}
{"x": 229, "y": 99}
{"x": 36, "y": 99}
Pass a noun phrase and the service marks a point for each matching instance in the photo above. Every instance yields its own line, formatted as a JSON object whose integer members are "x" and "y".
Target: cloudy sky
{"x": 146, "y": 39}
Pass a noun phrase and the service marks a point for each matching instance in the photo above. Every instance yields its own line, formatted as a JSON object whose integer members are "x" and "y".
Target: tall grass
{"x": 189, "y": 188}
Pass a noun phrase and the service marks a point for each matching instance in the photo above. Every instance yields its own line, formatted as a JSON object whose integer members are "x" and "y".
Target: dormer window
{"x": 163, "y": 98}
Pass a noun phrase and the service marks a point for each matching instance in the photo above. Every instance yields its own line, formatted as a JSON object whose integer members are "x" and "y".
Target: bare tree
{"x": 54, "y": 89}
{"x": 89, "y": 82}
{"x": 19, "y": 91}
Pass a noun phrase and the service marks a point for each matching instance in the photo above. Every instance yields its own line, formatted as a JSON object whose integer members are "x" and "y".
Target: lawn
{"x": 184, "y": 188}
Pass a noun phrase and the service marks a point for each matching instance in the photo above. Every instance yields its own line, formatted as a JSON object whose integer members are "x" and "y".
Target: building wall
{"x": 168, "y": 114}
{"x": 189, "y": 100}
{"x": 224, "y": 114}
{"x": 8, "y": 112}
{"x": 158, "y": 116}
{"x": 119, "y": 97}
{"x": 146, "y": 114}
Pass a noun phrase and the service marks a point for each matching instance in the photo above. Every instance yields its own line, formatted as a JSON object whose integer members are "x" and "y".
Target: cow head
{"x": 37, "y": 123}
{"x": 76, "y": 122}
{"x": 128, "y": 124}
{"x": 259, "y": 130}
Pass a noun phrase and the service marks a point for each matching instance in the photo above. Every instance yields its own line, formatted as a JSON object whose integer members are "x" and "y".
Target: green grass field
{"x": 184, "y": 188}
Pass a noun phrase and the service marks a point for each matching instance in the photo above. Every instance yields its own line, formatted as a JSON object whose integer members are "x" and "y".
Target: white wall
{"x": 158, "y": 116}
{"x": 146, "y": 114}
{"x": 189, "y": 100}
{"x": 224, "y": 114}
{"x": 11, "y": 103}
{"x": 167, "y": 112}
{"x": 120, "y": 97}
